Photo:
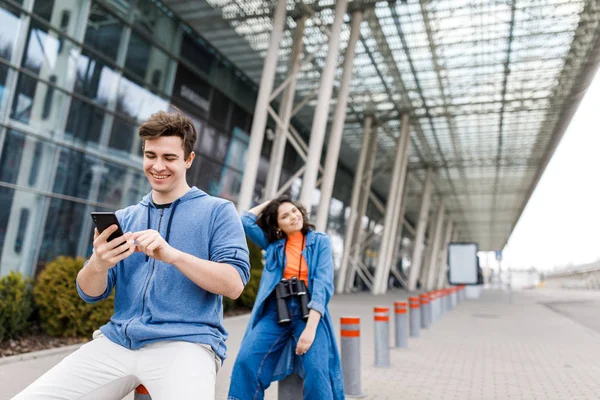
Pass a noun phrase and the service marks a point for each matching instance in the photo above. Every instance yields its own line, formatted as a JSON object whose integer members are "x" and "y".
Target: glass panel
{"x": 196, "y": 54}
{"x": 50, "y": 56}
{"x": 9, "y": 30}
{"x": 239, "y": 118}
{"x": 20, "y": 216}
{"x": 75, "y": 174}
{"x": 191, "y": 92}
{"x": 236, "y": 152}
{"x": 137, "y": 102}
{"x": 154, "y": 22}
{"x": 26, "y": 160}
{"x": 214, "y": 143}
{"x": 113, "y": 184}
{"x": 3, "y": 75}
{"x": 138, "y": 189}
{"x": 103, "y": 32}
{"x": 122, "y": 136}
{"x": 138, "y": 55}
{"x": 219, "y": 108}
{"x": 63, "y": 229}
{"x": 84, "y": 122}
{"x": 207, "y": 175}
{"x": 148, "y": 63}
{"x": 38, "y": 104}
{"x": 65, "y": 17}
{"x": 95, "y": 79}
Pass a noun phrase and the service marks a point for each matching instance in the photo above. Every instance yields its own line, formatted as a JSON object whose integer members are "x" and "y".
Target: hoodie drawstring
{"x": 175, "y": 204}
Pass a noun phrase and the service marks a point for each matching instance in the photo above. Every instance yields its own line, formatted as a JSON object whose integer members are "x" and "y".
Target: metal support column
{"x": 365, "y": 189}
{"x": 260, "y": 111}
{"x": 353, "y": 217}
{"x": 392, "y": 207}
{"x": 417, "y": 255}
{"x": 317, "y": 132}
{"x": 443, "y": 262}
{"x": 285, "y": 111}
{"x": 435, "y": 247}
{"x": 337, "y": 128}
{"x": 398, "y": 211}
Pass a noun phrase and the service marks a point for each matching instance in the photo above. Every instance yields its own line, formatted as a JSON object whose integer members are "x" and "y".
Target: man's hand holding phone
{"x": 108, "y": 253}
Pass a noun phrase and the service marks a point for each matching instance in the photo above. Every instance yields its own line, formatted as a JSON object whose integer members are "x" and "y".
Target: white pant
{"x": 104, "y": 370}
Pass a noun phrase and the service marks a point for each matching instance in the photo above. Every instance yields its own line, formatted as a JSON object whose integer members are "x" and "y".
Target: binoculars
{"x": 285, "y": 289}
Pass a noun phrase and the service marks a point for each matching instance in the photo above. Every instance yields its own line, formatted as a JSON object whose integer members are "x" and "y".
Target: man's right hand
{"x": 107, "y": 254}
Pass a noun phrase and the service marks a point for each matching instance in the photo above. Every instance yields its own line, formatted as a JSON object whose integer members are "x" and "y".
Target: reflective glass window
{"x": 138, "y": 55}
{"x": 196, "y": 54}
{"x": 219, "y": 109}
{"x": 3, "y": 76}
{"x": 138, "y": 189}
{"x": 64, "y": 16}
{"x": 38, "y": 104}
{"x": 214, "y": 143}
{"x": 137, "y": 102}
{"x": 148, "y": 63}
{"x": 63, "y": 229}
{"x": 75, "y": 173}
{"x": 153, "y": 21}
{"x": 103, "y": 32}
{"x": 95, "y": 79}
{"x": 50, "y": 56}
{"x": 113, "y": 184}
{"x": 10, "y": 23}
{"x": 10, "y": 162}
{"x": 122, "y": 136}
{"x": 84, "y": 122}
{"x": 239, "y": 118}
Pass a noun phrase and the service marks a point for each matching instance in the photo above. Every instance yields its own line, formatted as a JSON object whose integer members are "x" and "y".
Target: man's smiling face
{"x": 165, "y": 164}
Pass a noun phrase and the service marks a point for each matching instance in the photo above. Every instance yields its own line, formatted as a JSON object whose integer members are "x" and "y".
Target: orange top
{"x": 293, "y": 256}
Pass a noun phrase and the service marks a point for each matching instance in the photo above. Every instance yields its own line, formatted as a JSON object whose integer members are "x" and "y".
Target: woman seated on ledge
{"x": 289, "y": 332}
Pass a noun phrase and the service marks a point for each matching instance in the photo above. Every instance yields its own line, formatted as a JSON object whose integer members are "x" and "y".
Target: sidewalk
{"x": 483, "y": 349}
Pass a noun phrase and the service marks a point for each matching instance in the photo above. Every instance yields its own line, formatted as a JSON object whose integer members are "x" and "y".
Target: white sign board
{"x": 462, "y": 263}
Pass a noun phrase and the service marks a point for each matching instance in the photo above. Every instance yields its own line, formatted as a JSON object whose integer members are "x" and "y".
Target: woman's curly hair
{"x": 267, "y": 220}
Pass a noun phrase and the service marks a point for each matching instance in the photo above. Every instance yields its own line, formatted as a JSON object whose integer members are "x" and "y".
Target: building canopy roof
{"x": 490, "y": 86}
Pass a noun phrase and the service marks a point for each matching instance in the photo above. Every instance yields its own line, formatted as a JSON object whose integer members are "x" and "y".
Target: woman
{"x": 273, "y": 349}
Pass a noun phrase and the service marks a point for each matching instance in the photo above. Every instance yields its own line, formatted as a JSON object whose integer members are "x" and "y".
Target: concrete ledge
{"x": 39, "y": 354}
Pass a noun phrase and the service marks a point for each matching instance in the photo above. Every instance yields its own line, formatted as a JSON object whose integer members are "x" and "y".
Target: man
{"x": 182, "y": 251}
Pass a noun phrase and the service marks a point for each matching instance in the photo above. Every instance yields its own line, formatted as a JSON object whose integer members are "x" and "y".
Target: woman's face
{"x": 289, "y": 218}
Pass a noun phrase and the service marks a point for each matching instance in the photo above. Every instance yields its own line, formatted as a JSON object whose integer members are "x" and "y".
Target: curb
{"x": 68, "y": 349}
{"x": 39, "y": 354}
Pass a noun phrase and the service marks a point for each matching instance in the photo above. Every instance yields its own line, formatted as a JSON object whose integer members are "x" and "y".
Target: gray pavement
{"x": 540, "y": 345}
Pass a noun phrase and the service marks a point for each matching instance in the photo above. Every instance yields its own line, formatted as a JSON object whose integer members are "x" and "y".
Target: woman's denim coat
{"x": 319, "y": 259}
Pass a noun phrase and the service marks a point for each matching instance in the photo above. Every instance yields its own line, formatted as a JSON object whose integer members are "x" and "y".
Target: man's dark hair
{"x": 267, "y": 220}
{"x": 163, "y": 123}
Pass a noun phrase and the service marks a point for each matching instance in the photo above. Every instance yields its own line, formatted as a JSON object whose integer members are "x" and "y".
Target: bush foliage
{"x": 16, "y": 305}
{"x": 248, "y": 296}
{"x": 61, "y": 310}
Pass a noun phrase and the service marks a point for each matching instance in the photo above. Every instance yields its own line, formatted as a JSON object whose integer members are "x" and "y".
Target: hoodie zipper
{"x": 147, "y": 281}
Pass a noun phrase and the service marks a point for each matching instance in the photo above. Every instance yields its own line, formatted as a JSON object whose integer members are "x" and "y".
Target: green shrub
{"x": 61, "y": 311}
{"x": 16, "y": 305}
{"x": 248, "y": 296}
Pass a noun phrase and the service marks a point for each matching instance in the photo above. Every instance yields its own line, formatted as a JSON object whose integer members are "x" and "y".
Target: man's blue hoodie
{"x": 153, "y": 300}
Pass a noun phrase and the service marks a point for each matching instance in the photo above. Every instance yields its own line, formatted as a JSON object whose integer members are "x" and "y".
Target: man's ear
{"x": 190, "y": 159}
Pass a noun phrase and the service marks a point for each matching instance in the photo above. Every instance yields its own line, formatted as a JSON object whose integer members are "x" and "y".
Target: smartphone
{"x": 105, "y": 219}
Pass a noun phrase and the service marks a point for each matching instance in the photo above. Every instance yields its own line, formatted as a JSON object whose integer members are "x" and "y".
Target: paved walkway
{"x": 540, "y": 345}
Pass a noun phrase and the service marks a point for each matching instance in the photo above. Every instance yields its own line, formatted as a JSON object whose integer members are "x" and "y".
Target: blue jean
{"x": 261, "y": 349}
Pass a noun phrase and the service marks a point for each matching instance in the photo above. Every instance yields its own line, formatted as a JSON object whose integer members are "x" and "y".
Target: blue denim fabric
{"x": 319, "y": 259}
{"x": 257, "y": 360}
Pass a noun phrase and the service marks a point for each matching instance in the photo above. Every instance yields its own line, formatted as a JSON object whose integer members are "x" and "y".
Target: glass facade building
{"x": 77, "y": 77}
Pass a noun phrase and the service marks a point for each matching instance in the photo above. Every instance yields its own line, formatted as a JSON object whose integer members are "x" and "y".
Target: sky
{"x": 561, "y": 222}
